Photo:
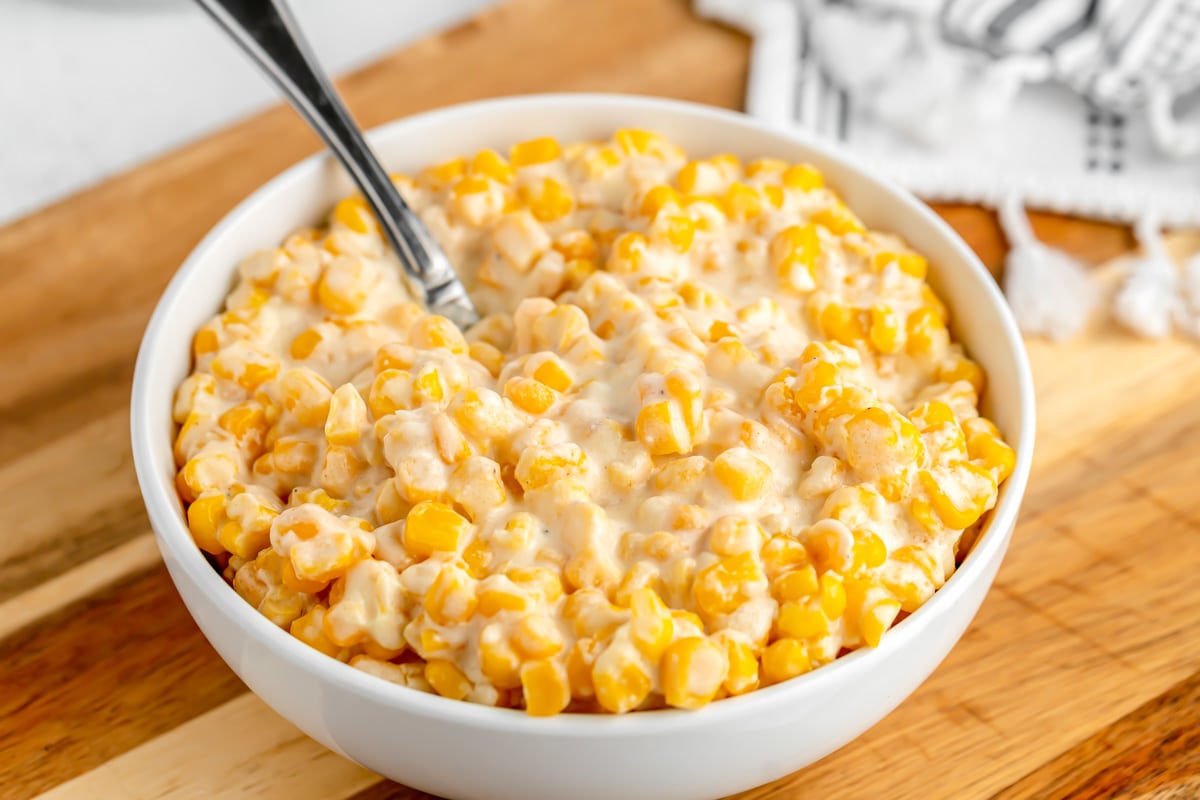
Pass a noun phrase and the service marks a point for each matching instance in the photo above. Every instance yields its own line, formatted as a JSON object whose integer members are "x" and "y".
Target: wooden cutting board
{"x": 1080, "y": 678}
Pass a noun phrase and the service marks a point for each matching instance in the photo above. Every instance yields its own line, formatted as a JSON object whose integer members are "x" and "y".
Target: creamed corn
{"x": 711, "y": 433}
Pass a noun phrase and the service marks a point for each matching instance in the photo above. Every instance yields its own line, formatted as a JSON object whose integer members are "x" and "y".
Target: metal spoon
{"x": 268, "y": 33}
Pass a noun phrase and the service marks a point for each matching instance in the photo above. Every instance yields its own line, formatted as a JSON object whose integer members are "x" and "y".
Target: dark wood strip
{"x": 100, "y": 678}
{"x": 1152, "y": 752}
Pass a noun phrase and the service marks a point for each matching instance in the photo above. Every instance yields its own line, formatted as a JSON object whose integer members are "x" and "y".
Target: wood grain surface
{"x": 1080, "y": 678}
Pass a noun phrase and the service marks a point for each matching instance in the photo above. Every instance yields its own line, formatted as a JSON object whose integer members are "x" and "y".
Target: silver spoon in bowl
{"x": 267, "y": 32}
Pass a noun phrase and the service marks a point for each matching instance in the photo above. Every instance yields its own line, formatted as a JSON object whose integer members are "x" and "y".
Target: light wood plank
{"x": 239, "y": 750}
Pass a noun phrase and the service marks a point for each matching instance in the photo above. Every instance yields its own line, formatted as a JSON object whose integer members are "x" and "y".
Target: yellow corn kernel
{"x": 303, "y": 345}
{"x": 432, "y": 643}
{"x": 579, "y": 668}
{"x": 796, "y": 585}
{"x": 634, "y": 142}
{"x": 387, "y": 393}
{"x": 549, "y": 201}
{"x": 427, "y": 386}
{"x": 658, "y": 198}
{"x": 208, "y": 473}
{"x": 742, "y": 675}
{"x": 347, "y": 415}
{"x": 651, "y": 626}
{"x": 878, "y": 618}
{"x": 733, "y": 535}
{"x": 833, "y": 595}
{"x": 205, "y": 516}
{"x": 781, "y": 554}
{"x": 804, "y": 177}
{"x": 693, "y": 669}
{"x": 742, "y": 201}
{"x": 765, "y": 166}
{"x": 785, "y": 659}
{"x": 451, "y": 597}
{"x": 839, "y": 220}
{"x": 205, "y": 342}
{"x": 434, "y": 331}
{"x": 447, "y": 679}
{"x": 495, "y": 599}
{"x": 553, "y": 373}
{"x": 432, "y": 527}
{"x": 720, "y": 329}
{"x": 294, "y": 456}
{"x": 620, "y": 685}
{"x": 661, "y": 428}
{"x": 389, "y": 505}
{"x": 721, "y": 587}
{"x": 546, "y": 688}
{"x": 246, "y": 421}
{"x": 354, "y": 214}
{"x": 955, "y": 515}
{"x": 884, "y": 331}
{"x": 306, "y": 395}
{"x": 534, "y": 151}
{"x": 677, "y": 230}
{"x": 743, "y": 474}
{"x": 576, "y": 244}
{"x": 529, "y": 395}
{"x": 488, "y": 355}
{"x": 309, "y": 629}
{"x": 627, "y": 254}
{"x": 491, "y": 164}
{"x": 444, "y": 175}
{"x": 774, "y": 196}
{"x": 842, "y": 324}
{"x": 576, "y": 271}
{"x": 472, "y": 184}
{"x": 537, "y": 636}
{"x": 869, "y": 550}
{"x": 963, "y": 369}
{"x": 297, "y": 584}
{"x": 994, "y": 453}
{"x": 800, "y": 619}
{"x": 539, "y": 581}
{"x": 498, "y": 662}
{"x": 923, "y": 327}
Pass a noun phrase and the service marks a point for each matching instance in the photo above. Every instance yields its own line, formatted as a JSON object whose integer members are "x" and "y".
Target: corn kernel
{"x": 529, "y": 395}
{"x": 451, "y": 598}
{"x": 549, "y": 201}
{"x": 432, "y": 527}
{"x": 546, "y": 688}
{"x": 804, "y": 177}
{"x": 534, "y": 151}
{"x": 693, "y": 669}
{"x": 743, "y": 474}
{"x": 491, "y": 164}
{"x": 785, "y": 659}
{"x": 447, "y": 679}
{"x": 205, "y": 516}
{"x": 620, "y": 685}
{"x": 553, "y": 373}
{"x": 347, "y": 415}
{"x": 537, "y": 636}
{"x": 354, "y": 214}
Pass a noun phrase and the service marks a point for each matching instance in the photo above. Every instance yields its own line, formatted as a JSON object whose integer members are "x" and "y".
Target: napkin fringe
{"x": 1049, "y": 292}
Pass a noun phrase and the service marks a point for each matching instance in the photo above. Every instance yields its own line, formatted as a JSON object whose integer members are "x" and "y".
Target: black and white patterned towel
{"x": 1078, "y": 106}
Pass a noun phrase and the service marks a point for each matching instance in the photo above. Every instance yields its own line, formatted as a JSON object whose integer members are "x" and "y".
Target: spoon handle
{"x": 267, "y": 32}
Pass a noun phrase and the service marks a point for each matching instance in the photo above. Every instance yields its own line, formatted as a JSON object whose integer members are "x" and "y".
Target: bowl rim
{"x": 180, "y": 552}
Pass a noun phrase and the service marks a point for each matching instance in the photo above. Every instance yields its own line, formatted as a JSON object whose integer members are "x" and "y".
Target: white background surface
{"x": 91, "y": 87}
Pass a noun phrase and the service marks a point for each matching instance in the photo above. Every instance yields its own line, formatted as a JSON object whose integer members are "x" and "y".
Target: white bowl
{"x": 469, "y": 751}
